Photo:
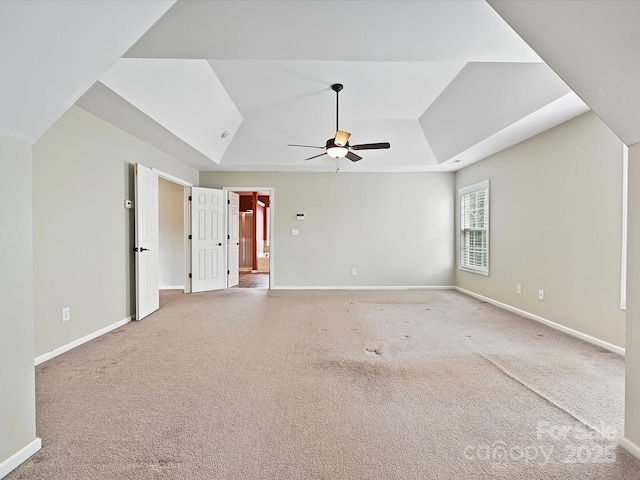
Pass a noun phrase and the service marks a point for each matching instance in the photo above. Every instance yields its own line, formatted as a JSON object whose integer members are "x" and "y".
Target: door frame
{"x": 271, "y": 191}
{"x": 187, "y": 223}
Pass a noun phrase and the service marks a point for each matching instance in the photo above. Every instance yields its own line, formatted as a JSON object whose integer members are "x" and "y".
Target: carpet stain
{"x": 373, "y": 351}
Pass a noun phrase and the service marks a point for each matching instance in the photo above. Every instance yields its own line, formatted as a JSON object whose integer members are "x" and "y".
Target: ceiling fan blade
{"x": 371, "y": 146}
{"x": 315, "y": 156}
{"x": 307, "y": 146}
{"x": 341, "y": 138}
{"x": 353, "y": 157}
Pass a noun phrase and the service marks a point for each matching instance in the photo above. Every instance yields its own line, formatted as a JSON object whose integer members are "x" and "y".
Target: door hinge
{"x": 228, "y": 272}
{"x": 190, "y": 197}
{"x": 190, "y": 237}
{"x": 190, "y": 276}
{"x": 228, "y": 237}
{"x": 228, "y": 202}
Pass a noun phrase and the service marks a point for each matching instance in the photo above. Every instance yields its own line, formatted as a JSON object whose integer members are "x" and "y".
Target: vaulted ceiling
{"x": 226, "y": 85}
{"x": 52, "y": 52}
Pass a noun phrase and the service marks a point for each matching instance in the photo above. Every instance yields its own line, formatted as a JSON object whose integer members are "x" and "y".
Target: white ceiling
{"x": 445, "y": 82}
{"x": 593, "y": 46}
{"x": 53, "y": 51}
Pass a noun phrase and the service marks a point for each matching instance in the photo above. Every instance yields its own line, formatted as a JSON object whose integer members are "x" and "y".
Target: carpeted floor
{"x": 259, "y": 384}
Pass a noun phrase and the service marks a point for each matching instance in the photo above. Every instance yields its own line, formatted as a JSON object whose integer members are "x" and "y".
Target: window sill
{"x": 477, "y": 272}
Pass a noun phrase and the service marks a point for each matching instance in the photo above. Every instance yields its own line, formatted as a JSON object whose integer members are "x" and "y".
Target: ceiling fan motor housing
{"x": 336, "y": 151}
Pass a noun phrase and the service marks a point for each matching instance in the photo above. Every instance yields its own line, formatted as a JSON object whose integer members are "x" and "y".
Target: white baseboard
{"x": 570, "y": 331}
{"x": 360, "y": 287}
{"x": 10, "y": 464}
{"x": 630, "y": 447}
{"x": 171, "y": 287}
{"x": 80, "y": 341}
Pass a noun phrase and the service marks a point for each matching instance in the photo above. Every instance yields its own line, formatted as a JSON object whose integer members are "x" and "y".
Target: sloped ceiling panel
{"x": 54, "y": 51}
{"x": 184, "y": 96}
{"x": 111, "y": 107}
{"x": 406, "y": 31}
{"x": 484, "y": 99}
{"x": 593, "y": 46}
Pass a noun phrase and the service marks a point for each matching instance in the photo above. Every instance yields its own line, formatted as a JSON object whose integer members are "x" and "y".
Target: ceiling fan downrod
{"x": 337, "y": 87}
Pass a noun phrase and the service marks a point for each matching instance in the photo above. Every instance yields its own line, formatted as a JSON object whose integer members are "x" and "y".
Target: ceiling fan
{"x": 338, "y": 147}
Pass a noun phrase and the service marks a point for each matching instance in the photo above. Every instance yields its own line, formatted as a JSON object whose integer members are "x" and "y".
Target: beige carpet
{"x": 257, "y": 384}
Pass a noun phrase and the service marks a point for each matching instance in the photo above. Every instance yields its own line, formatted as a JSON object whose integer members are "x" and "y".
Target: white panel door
{"x": 233, "y": 229}
{"x": 146, "y": 241}
{"x": 208, "y": 244}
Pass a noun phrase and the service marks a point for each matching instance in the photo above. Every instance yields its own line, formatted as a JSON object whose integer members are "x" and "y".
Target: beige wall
{"x": 395, "y": 229}
{"x": 556, "y": 223}
{"x": 632, "y": 387}
{"x": 83, "y": 235}
{"x": 17, "y": 387}
{"x": 171, "y": 229}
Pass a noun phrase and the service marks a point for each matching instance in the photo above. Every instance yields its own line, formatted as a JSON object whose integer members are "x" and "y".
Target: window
{"x": 474, "y": 228}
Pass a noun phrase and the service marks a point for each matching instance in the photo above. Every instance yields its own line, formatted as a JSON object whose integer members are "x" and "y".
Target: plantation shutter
{"x": 474, "y": 228}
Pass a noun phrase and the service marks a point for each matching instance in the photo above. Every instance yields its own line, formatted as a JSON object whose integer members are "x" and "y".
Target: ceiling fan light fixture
{"x": 337, "y": 152}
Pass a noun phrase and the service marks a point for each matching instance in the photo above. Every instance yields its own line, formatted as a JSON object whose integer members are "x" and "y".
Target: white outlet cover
{"x": 294, "y": 231}
{"x": 66, "y": 314}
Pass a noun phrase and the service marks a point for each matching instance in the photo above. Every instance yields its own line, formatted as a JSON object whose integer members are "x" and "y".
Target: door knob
{"x": 220, "y": 244}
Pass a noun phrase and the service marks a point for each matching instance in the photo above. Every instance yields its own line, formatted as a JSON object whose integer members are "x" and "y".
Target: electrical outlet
{"x": 66, "y": 314}
{"x": 540, "y": 294}
{"x": 294, "y": 231}
{"x": 519, "y": 289}
{"x": 354, "y": 271}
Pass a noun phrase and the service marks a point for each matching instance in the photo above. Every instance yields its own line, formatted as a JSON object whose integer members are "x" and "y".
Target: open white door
{"x": 233, "y": 229}
{"x": 146, "y": 241}
{"x": 208, "y": 245}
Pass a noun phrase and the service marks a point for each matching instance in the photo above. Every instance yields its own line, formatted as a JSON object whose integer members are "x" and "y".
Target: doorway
{"x": 171, "y": 220}
{"x": 254, "y": 249}
{"x": 173, "y": 247}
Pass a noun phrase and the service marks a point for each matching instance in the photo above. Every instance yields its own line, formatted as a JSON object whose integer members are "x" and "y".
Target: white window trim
{"x": 463, "y": 191}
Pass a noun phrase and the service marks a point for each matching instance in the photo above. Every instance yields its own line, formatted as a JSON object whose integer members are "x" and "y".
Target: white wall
{"x": 396, "y": 229}
{"x": 17, "y": 383}
{"x": 83, "y": 236}
{"x": 556, "y": 225}
{"x": 171, "y": 230}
